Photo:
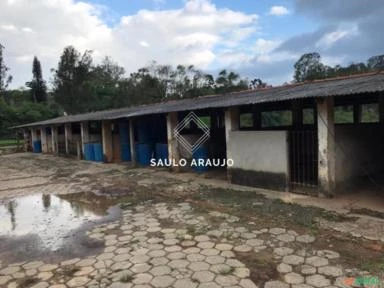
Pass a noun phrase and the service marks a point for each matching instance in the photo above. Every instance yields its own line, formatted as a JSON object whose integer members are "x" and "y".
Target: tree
{"x": 5, "y": 79}
{"x": 309, "y": 67}
{"x": 257, "y": 83}
{"x": 72, "y": 81}
{"x": 37, "y": 85}
{"x": 376, "y": 62}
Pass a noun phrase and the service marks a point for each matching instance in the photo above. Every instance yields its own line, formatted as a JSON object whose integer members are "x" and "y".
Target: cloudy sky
{"x": 257, "y": 38}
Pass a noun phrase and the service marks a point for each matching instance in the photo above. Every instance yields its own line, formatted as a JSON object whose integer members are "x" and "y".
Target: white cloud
{"x": 189, "y": 35}
{"x": 263, "y": 46}
{"x": 278, "y": 11}
{"x": 330, "y": 39}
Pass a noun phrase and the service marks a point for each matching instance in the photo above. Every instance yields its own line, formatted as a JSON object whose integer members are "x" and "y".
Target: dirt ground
{"x": 354, "y": 233}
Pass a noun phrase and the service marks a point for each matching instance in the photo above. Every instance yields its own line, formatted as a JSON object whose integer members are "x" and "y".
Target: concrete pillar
{"x": 106, "y": 133}
{"x": 173, "y": 146}
{"x": 232, "y": 123}
{"x": 27, "y": 141}
{"x": 68, "y": 136}
{"x": 34, "y": 135}
{"x": 84, "y": 126}
{"x": 55, "y": 139}
{"x": 132, "y": 141}
{"x": 44, "y": 140}
{"x": 326, "y": 149}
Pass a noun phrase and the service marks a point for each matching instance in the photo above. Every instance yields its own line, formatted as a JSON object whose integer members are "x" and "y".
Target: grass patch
{"x": 69, "y": 270}
{"x": 26, "y": 282}
{"x": 9, "y": 142}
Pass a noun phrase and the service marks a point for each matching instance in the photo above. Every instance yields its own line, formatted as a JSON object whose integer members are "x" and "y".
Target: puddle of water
{"x": 49, "y": 217}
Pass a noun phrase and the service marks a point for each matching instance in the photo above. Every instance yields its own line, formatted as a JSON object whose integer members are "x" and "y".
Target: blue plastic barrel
{"x": 37, "y": 146}
{"x": 125, "y": 150}
{"x": 200, "y": 153}
{"x": 161, "y": 151}
{"x": 144, "y": 154}
{"x": 88, "y": 152}
{"x": 98, "y": 152}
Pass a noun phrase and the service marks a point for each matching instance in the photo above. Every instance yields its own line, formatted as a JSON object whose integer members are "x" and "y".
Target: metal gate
{"x": 303, "y": 154}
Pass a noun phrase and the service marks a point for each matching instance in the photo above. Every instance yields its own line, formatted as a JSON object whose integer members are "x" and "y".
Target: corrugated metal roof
{"x": 342, "y": 86}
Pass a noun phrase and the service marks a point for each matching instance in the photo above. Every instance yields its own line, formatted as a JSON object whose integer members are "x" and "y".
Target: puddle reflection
{"x": 48, "y": 216}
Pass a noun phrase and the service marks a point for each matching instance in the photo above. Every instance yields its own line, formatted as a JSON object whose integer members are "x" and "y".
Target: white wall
{"x": 262, "y": 151}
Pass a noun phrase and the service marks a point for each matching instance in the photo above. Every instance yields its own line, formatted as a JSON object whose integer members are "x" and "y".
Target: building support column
{"x": 68, "y": 136}
{"x": 84, "y": 127}
{"x": 132, "y": 142}
{"x": 106, "y": 133}
{"x": 232, "y": 123}
{"x": 326, "y": 148}
{"x": 44, "y": 142}
{"x": 55, "y": 140}
{"x": 173, "y": 145}
{"x": 27, "y": 141}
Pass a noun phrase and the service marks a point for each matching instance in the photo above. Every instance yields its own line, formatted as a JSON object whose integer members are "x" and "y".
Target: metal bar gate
{"x": 303, "y": 157}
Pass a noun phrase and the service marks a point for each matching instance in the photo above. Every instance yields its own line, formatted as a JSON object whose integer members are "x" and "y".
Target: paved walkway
{"x": 141, "y": 252}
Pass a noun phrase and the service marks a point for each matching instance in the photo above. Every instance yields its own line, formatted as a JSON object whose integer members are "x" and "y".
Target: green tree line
{"x": 79, "y": 85}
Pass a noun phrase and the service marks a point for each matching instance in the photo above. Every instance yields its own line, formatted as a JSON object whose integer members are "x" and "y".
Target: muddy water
{"x": 37, "y": 225}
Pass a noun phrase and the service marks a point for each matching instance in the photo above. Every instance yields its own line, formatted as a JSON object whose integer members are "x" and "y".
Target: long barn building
{"x": 314, "y": 137}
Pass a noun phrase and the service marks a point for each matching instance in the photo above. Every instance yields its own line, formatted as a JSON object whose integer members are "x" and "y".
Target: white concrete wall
{"x": 262, "y": 151}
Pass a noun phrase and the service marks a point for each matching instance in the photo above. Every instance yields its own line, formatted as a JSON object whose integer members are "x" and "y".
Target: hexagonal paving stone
{"x": 206, "y": 245}
{"x": 84, "y": 271}
{"x": 293, "y": 278}
{"x": 180, "y": 263}
{"x": 317, "y": 280}
{"x": 105, "y": 256}
{"x": 215, "y": 259}
{"x": 162, "y": 281}
{"x": 192, "y": 250}
{"x": 176, "y": 255}
{"x": 227, "y": 280}
{"x": 173, "y": 248}
{"x": 142, "y": 278}
{"x": 203, "y": 276}
{"x": 276, "y": 284}
{"x": 247, "y": 283}
{"x": 195, "y": 257}
{"x": 210, "y": 285}
{"x": 122, "y": 257}
{"x": 86, "y": 262}
{"x": 305, "y": 238}
{"x": 242, "y": 272}
{"x": 308, "y": 270}
{"x": 160, "y": 270}
{"x": 77, "y": 281}
{"x": 188, "y": 243}
{"x": 202, "y": 238}
{"x": 330, "y": 271}
{"x": 45, "y": 276}
{"x": 254, "y": 242}
{"x": 65, "y": 263}
{"x": 198, "y": 266}
{"x": 224, "y": 247}
{"x": 33, "y": 265}
{"x": 277, "y": 231}
{"x": 293, "y": 260}
{"x": 9, "y": 270}
{"x": 210, "y": 252}
{"x": 317, "y": 261}
{"x": 170, "y": 242}
{"x": 137, "y": 259}
{"x": 243, "y": 248}
{"x": 47, "y": 267}
{"x": 285, "y": 237}
{"x": 156, "y": 253}
{"x": 328, "y": 254}
{"x": 159, "y": 261}
{"x": 234, "y": 263}
{"x": 41, "y": 285}
{"x": 140, "y": 268}
{"x": 185, "y": 283}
